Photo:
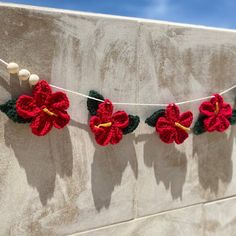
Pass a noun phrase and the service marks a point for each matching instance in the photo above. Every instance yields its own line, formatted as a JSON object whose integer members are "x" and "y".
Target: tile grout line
{"x": 221, "y": 199}
{"x": 154, "y": 215}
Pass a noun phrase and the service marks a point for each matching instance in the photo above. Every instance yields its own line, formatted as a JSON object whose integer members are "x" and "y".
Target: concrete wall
{"x": 63, "y": 183}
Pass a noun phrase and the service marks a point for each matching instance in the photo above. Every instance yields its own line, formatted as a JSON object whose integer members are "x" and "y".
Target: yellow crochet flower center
{"x": 182, "y": 127}
{"x": 108, "y": 124}
{"x": 49, "y": 112}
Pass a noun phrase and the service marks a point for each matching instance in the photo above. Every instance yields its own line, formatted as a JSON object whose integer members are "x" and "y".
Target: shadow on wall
{"x": 4, "y": 84}
{"x": 108, "y": 166}
{"x": 41, "y": 157}
{"x": 169, "y": 164}
{"x": 214, "y": 151}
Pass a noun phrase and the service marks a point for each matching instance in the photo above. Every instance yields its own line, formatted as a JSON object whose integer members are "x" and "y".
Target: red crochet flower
{"x": 173, "y": 127}
{"x": 217, "y": 113}
{"x": 106, "y": 125}
{"x": 46, "y": 109}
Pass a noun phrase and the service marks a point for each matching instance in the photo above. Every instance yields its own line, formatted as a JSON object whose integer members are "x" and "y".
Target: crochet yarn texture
{"x": 9, "y": 108}
{"x": 217, "y": 114}
{"x": 45, "y": 108}
{"x": 170, "y": 124}
{"x": 108, "y": 126}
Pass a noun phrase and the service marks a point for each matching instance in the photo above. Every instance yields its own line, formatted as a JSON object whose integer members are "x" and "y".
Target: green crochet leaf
{"x": 133, "y": 124}
{"x": 232, "y": 119}
{"x": 152, "y": 120}
{"x": 9, "y": 108}
{"x": 199, "y": 125}
{"x": 92, "y": 105}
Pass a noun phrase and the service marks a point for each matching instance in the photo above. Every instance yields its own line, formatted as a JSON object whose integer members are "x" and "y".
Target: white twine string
{"x": 135, "y": 104}
{"x": 3, "y": 62}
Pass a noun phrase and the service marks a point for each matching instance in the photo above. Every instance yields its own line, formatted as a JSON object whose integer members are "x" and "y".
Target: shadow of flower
{"x": 169, "y": 164}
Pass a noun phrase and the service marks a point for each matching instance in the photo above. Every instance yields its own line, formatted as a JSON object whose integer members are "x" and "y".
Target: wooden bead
{"x": 33, "y": 79}
{"x": 24, "y": 74}
{"x": 13, "y": 68}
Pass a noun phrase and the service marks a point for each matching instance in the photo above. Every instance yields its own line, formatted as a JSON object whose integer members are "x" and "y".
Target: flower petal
{"x": 166, "y": 130}
{"x": 41, "y": 124}
{"x": 162, "y": 122}
{"x": 94, "y": 122}
{"x": 61, "y": 120}
{"x": 116, "y": 135}
{"x": 216, "y": 123}
{"x": 57, "y": 100}
{"x": 181, "y": 135}
{"x": 172, "y": 112}
{"x": 207, "y": 108}
{"x": 26, "y": 107}
{"x": 212, "y": 123}
{"x": 41, "y": 92}
{"x": 186, "y": 118}
{"x": 224, "y": 124}
{"x": 103, "y": 136}
{"x": 120, "y": 119}
{"x": 217, "y": 98}
{"x": 105, "y": 109}
{"x": 226, "y": 110}
{"x": 168, "y": 134}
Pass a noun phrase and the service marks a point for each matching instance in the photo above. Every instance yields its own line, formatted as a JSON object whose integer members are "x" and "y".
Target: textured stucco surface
{"x": 64, "y": 183}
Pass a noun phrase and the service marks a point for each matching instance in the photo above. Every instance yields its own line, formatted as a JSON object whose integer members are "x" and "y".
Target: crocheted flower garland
{"x": 215, "y": 115}
{"x": 43, "y": 110}
{"x": 46, "y": 109}
{"x": 108, "y": 126}
{"x": 170, "y": 124}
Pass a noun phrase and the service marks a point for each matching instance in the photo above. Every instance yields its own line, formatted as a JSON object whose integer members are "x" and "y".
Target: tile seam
{"x": 153, "y": 215}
